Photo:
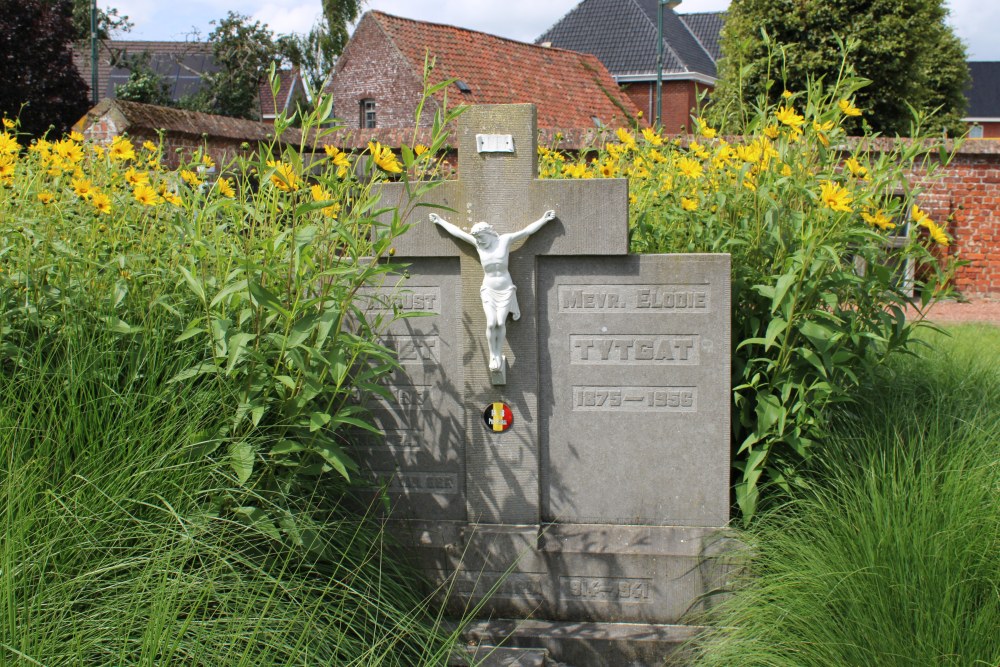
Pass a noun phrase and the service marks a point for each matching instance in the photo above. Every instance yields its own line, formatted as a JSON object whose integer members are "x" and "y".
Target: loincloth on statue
{"x": 496, "y": 299}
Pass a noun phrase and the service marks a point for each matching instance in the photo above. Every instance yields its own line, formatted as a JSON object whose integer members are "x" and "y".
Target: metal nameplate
{"x": 494, "y": 143}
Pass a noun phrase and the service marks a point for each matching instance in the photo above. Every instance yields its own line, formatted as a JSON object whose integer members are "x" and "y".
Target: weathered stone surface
{"x": 603, "y": 502}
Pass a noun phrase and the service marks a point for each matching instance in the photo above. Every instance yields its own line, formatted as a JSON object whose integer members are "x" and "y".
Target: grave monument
{"x": 577, "y": 485}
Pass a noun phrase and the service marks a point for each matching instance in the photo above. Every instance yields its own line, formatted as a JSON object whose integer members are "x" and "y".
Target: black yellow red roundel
{"x": 498, "y": 417}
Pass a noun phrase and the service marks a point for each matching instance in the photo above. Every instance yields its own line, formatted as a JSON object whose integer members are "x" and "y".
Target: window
{"x": 976, "y": 132}
{"x": 367, "y": 113}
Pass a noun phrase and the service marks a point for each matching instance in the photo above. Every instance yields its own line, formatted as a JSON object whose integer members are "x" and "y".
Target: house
{"x": 291, "y": 93}
{"x": 983, "y": 94}
{"x": 379, "y": 78}
{"x": 623, "y": 35}
{"x": 181, "y": 65}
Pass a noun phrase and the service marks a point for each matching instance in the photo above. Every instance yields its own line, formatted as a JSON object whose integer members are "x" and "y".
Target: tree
{"x": 36, "y": 66}
{"x": 315, "y": 54}
{"x": 904, "y": 47}
{"x": 108, "y": 21}
{"x": 244, "y": 51}
{"x": 144, "y": 84}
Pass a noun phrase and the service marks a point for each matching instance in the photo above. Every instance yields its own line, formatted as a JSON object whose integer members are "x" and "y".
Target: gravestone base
{"x": 574, "y": 644}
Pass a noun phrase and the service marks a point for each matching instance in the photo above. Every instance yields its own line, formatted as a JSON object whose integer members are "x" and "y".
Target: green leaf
{"x": 318, "y": 420}
{"x": 353, "y": 421}
{"x": 241, "y": 459}
{"x": 193, "y": 283}
{"x": 266, "y": 299}
{"x": 287, "y": 447}
{"x": 237, "y": 345}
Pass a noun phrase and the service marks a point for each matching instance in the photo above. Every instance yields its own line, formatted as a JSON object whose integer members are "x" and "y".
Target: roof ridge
{"x": 478, "y": 32}
{"x": 661, "y": 36}
{"x": 721, "y": 11}
{"x": 697, "y": 40}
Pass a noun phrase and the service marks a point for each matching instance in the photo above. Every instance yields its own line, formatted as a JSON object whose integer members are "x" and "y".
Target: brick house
{"x": 983, "y": 94}
{"x": 623, "y": 35}
{"x": 378, "y": 81}
{"x": 291, "y": 92}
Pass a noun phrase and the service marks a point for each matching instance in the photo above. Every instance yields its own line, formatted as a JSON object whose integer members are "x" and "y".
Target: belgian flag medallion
{"x": 498, "y": 417}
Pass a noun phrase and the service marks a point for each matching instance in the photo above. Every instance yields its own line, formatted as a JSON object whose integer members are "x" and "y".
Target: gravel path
{"x": 952, "y": 312}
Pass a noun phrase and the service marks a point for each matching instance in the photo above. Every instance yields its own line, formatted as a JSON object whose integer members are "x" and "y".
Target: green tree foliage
{"x": 244, "y": 51}
{"x": 144, "y": 84}
{"x": 904, "y": 47}
{"x": 315, "y": 53}
{"x": 38, "y": 81}
{"x": 109, "y": 21}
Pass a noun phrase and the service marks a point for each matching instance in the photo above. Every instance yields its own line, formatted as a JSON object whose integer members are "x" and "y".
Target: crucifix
{"x": 498, "y": 186}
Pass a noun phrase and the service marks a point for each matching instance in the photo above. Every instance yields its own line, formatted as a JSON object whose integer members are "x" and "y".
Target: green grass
{"x": 892, "y": 557}
{"x": 121, "y": 544}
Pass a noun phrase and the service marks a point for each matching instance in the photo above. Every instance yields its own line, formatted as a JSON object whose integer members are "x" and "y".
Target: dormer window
{"x": 367, "y": 113}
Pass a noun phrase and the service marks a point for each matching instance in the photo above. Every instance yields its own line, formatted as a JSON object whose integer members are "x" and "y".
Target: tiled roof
{"x": 179, "y": 63}
{"x": 622, "y": 33}
{"x": 984, "y": 90}
{"x": 706, "y": 27}
{"x": 133, "y": 117}
{"x": 569, "y": 89}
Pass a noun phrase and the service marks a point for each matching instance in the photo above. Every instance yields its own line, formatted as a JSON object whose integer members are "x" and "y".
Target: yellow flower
{"x": 935, "y": 230}
{"x": 384, "y": 158}
{"x": 101, "y": 202}
{"x": 8, "y": 123}
{"x": 146, "y": 195}
{"x": 848, "y": 109}
{"x": 76, "y": 136}
{"x": 624, "y": 136}
{"x": 121, "y": 149}
{"x": 787, "y": 94}
{"x": 689, "y": 204}
{"x": 615, "y": 151}
{"x": 98, "y": 150}
{"x": 574, "y": 170}
{"x": 878, "y": 219}
{"x": 821, "y": 129}
{"x": 149, "y": 146}
{"x": 284, "y": 177}
{"x": 190, "y": 178}
{"x": 698, "y": 150}
{"x": 226, "y": 187}
{"x": 171, "y": 197}
{"x": 41, "y": 146}
{"x": 8, "y": 144}
{"x": 68, "y": 150}
{"x": 133, "y": 177}
{"x": 690, "y": 168}
{"x": 787, "y": 116}
{"x": 771, "y": 131}
{"x": 7, "y": 169}
{"x": 319, "y": 193}
{"x": 704, "y": 129}
{"x": 343, "y": 164}
{"x": 651, "y": 136}
{"x": 420, "y": 149}
{"x": 856, "y": 169}
{"x": 207, "y": 160}
{"x": 608, "y": 169}
{"x": 786, "y": 170}
{"x": 45, "y": 197}
{"x": 835, "y": 197}
{"x": 82, "y": 187}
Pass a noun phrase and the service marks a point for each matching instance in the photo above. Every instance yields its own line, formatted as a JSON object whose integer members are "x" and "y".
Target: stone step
{"x": 484, "y": 655}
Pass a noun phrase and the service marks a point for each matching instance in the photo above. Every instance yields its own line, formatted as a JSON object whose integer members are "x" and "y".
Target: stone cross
{"x": 500, "y": 187}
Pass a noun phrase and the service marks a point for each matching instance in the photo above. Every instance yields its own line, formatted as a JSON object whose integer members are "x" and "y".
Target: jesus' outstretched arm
{"x": 452, "y": 229}
{"x": 533, "y": 227}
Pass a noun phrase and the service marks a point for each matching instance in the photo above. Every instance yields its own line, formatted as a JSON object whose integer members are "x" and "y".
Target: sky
{"x": 974, "y": 21}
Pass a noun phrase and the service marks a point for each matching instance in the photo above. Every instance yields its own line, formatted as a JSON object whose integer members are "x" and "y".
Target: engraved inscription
{"x": 635, "y": 399}
{"x": 415, "y": 349}
{"x": 418, "y": 482}
{"x": 415, "y": 298}
{"x": 407, "y": 411}
{"x": 626, "y": 349}
{"x": 513, "y": 585}
{"x": 609, "y": 589}
{"x": 633, "y": 298}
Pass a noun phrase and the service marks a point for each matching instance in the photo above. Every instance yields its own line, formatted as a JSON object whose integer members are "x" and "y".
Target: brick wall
{"x": 372, "y": 68}
{"x": 679, "y": 100}
{"x": 967, "y": 197}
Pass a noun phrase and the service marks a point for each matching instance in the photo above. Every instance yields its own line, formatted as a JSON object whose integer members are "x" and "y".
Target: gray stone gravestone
{"x": 593, "y": 513}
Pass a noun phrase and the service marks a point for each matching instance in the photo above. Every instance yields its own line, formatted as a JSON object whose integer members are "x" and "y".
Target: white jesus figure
{"x": 499, "y": 294}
